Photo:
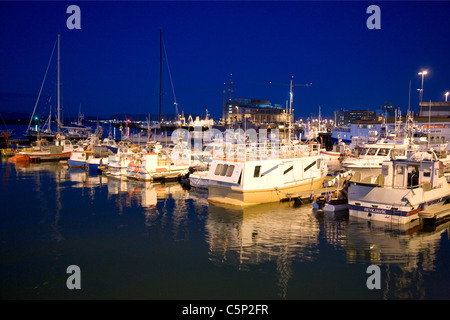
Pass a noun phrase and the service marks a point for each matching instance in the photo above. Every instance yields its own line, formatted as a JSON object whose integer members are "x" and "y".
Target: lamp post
{"x": 422, "y": 73}
{"x": 446, "y": 95}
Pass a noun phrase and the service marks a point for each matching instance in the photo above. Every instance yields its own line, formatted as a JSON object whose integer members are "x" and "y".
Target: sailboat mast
{"x": 160, "y": 72}
{"x": 59, "y": 99}
{"x": 291, "y": 98}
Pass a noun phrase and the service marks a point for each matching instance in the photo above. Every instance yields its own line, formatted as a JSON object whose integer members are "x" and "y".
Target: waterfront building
{"x": 434, "y": 109}
{"x": 345, "y": 117}
{"x": 434, "y": 128}
{"x": 257, "y": 112}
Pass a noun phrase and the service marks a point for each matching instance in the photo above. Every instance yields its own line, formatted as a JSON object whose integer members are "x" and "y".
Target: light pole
{"x": 422, "y": 73}
{"x": 446, "y": 95}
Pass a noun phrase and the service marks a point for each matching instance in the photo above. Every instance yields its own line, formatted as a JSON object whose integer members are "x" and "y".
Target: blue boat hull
{"x": 76, "y": 164}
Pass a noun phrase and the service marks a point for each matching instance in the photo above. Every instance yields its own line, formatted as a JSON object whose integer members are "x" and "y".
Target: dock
{"x": 436, "y": 212}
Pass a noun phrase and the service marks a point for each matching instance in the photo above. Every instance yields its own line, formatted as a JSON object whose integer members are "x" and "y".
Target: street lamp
{"x": 422, "y": 73}
{"x": 446, "y": 95}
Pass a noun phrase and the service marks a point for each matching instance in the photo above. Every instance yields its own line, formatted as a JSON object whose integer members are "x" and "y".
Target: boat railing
{"x": 258, "y": 151}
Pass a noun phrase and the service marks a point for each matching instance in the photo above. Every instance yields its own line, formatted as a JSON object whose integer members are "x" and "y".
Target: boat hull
{"x": 382, "y": 215}
{"x": 238, "y": 197}
{"x": 377, "y": 204}
{"x": 76, "y": 164}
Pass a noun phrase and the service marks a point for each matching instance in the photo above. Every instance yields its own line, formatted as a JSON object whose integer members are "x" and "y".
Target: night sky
{"x": 111, "y": 64}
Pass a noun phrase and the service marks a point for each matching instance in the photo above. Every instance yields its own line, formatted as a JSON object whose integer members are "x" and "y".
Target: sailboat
{"x": 42, "y": 150}
{"x": 75, "y": 130}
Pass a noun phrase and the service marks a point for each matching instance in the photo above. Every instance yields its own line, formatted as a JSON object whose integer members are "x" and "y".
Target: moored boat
{"x": 334, "y": 199}
{"x": 372, "y": 155}
{"x": 42, "y": 150}
{"x": 404, "y": 188}
{"x": 269, "y": 177}
{"x": 78, "y": 158}
{"x": 159, "y": 165}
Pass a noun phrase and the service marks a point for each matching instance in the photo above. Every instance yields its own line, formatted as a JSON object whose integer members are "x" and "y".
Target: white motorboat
{"x": 198, "y": 179}
{"x": 404, "y": 188}
{"x": 372, "y": 155}
{"x": 159, "y": 165}
{"x": 260, "y": 175}
{"x": 339, "y": 151}
{"x": 118, "y": 162}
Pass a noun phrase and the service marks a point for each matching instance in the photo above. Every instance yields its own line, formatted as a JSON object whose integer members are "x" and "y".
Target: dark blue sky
{"x": 111, "y": 65}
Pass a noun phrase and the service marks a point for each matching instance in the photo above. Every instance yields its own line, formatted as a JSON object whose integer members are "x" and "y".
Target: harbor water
{"x": 137, "y": 240}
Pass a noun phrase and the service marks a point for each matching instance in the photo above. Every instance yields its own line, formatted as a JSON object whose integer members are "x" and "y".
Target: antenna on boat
{"x": 409, "y": 96}
{"x": 59, "y": 96}
{"x": 160, "y": 73}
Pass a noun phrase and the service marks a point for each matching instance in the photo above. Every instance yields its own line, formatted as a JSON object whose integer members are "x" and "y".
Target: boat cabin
{"x": 410, "y": 173}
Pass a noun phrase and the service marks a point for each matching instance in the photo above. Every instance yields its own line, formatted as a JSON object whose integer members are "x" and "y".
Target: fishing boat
{"x": 334, "y": 199}
{"x": 78, "y": 158}
{"x": 118, "y": 162}
{"x": 338, "y": 152}
{"x": 404, "y": 188}
{"x": 274, "y": 175}
{"x": 110, "y": 144}
{"x": 42, "y": 150}
{"x": 198, "y": 179}
{"x": 156, "y": 164}
{"x": 372, "y": 155}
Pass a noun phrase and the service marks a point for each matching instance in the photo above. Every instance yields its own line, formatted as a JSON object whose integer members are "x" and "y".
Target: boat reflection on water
{"x": 146, "y": 194}
{"x": 153, "y": 198}
{"x": 404, "y": 253}
{"x": 292, "y": 238}
{"x": 274, "y": 232}
{"x": 276, "y": 251}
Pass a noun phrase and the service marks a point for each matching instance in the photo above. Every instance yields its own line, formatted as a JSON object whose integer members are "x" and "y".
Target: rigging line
{"x": 170, "y": 77}
{"x": 42, "y": 85}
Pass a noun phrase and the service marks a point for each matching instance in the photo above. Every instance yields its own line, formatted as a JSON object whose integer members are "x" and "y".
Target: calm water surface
{"x": 159, "y": 241}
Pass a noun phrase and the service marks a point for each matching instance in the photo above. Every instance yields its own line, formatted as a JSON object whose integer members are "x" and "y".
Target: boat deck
{"x": 309, "y": 196}
{"x": 436, "y": 212}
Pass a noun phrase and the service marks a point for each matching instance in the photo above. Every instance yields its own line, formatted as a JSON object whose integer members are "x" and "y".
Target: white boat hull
{"x": 238, "y": 197}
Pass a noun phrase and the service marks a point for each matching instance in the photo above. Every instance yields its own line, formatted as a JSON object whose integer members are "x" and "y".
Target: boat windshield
{"x": 383, "y": 152}
{"x": 398, "y": 152}
{"x": 371, "y": 151}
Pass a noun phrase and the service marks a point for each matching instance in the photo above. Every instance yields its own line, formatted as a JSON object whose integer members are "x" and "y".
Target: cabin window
{"x": 230, "y": 171}
{"x": 384, "y": 170}
{"x": 371, "y": 152}
{"x": 426, "y": 173}
{"x": 224, "y": 170}
{"x": 400, "y": 170}
{"x": 218, "y": 169}
{"x": 288, "y": 169}
{"x": 398, "y": 152}
{"x": 257, "y": 171}
{"x": 383, "y": 152}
